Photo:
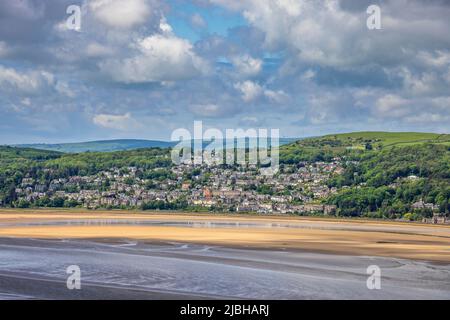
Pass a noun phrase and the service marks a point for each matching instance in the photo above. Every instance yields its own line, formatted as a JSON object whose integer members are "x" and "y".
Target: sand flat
{"x": 345, "y": 236}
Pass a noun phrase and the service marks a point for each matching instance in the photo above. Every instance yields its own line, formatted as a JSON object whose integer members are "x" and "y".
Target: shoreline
{"x": 171, "y": 213}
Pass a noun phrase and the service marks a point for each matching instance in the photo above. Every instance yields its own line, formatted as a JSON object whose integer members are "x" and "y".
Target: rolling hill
{"x": 324, "y": 148}
{"x": 380, "y": 139}
{"x": 100, "y": 146}
{"x": 114, "y": 145}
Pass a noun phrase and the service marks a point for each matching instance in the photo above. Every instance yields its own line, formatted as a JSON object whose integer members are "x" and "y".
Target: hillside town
{"x": 295, "y": 189}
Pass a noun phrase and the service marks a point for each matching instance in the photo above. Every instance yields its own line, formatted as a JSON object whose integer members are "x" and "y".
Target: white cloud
{"x": 438, "y": 58}
{"x": 323, "y": 32}
{"x": 160, "y": 58}
{"x": 278, "y": 96}
{"x": 419, "y": 84}
{"x": 30, "y": 82}
{"x": 291, "y": 7}
{"x": 418, "y": 110}
{"x": 119, "y": 122}
{"x": 34, "y": 82}
{"x": 63, "y": 88}
{"x": 391, "y": 105}
{"x": 246, "y": 65}
{"x": 119, "y": 13}
{"x": 164, "y": 26}
{"x": 250, "y": 90}
{"x": 95, "y": 49}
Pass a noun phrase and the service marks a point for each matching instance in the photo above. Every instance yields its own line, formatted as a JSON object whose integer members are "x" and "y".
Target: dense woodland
{"x": 378, "y": 184}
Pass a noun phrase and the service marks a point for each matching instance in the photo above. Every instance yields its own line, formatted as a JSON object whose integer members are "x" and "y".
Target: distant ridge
{"x": 113, "y": 145}
{"x": 100, "y": 146}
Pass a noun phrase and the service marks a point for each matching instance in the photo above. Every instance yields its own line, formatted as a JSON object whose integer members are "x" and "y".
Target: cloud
{"x": 118, "y": 122}
{"x": 27, "y": 82}
{"x": 165, "y": 27}
{"x": 159, "y": 58}
{"x": 247, "y": 66}
{"x": 117, "y": 14}
{"x": 278, "y": 96}
{"x": 329, "y": 34}
{"x": 392, "y": 105}
{"x": 250, "y": 90}
{"x": 438, "y": 59}
{"x": 95, "y": 49}
{"x": 422, "y": 110}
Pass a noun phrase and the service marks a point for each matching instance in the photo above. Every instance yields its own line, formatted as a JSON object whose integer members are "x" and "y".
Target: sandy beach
{"x": 337, "y": 236}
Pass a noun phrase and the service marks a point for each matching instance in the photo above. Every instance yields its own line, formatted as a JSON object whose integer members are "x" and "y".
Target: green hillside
{"x": 12, "y": 155}
{"x": 381, "y": 139}
{"x": 326, "y": 147}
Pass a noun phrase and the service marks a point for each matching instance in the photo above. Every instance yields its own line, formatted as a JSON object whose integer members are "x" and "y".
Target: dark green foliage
{"x": 44, "y": 166}
{"x": 389, "y": 181}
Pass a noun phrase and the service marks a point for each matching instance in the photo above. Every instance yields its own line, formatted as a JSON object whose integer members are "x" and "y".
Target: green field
{"x": 385, "y": 139}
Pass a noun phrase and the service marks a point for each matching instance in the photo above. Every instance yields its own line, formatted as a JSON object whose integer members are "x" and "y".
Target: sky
{"x": 143, "y": 68}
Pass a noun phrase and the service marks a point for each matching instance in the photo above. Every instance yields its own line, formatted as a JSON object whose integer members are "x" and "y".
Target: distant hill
{"x": 354, "y": 140}
{"x": 112, "y": 145}
{"x": 100, "y": 146}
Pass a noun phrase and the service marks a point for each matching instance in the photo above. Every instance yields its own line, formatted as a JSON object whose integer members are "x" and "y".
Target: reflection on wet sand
{"x": 371, "y": 238}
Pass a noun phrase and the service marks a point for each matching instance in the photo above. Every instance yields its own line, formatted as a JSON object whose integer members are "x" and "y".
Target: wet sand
{"x": 135, "y": 255}
{"x": 36, "y": 269}
{"x": 350, "y": 237}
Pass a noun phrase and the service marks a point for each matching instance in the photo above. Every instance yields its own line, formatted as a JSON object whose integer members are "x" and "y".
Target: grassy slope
{"x": 384, "y": 139}
{"x": 324, "y": 148}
